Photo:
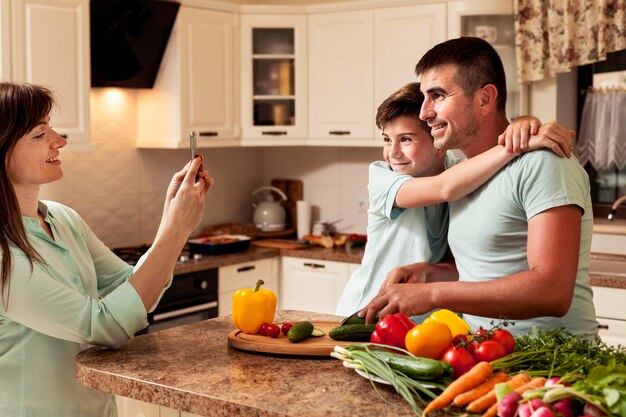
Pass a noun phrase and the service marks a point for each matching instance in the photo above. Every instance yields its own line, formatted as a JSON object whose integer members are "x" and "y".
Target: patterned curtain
{"x": 553, "y": 36}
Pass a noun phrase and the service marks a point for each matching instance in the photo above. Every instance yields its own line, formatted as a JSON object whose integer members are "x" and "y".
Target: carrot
{"x": 482, "y": 403}
{"x": 467, "y": 381}
{"x": 469, "y": 396}
{"x": 491, "y": 411}
{"x": 534, "y": 383}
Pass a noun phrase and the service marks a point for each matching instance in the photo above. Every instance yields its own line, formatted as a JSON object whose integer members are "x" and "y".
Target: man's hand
{"x": 408, "y": 299}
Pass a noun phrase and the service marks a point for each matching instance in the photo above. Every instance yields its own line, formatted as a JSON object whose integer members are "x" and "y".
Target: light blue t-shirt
{"x": 80, "y": 297}
{"x": 489, "y": 231}
{"x": 395, "y": 237}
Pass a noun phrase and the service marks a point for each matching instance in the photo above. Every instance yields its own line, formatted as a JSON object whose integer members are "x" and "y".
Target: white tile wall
{"x": 119, "y": 189}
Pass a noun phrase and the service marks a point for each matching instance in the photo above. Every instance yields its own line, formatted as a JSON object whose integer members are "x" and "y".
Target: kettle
{"x": 269, "y": 215}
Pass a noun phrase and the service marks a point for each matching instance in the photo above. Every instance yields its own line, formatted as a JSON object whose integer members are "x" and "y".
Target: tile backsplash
{"x": 119, "y": 189}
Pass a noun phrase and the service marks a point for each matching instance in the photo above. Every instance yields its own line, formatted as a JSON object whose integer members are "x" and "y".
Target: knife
{"x": 355, "y": 319}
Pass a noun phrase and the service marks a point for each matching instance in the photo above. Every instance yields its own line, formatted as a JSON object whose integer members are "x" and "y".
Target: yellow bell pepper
{"x": 252, "y": 307}
{"x": 456, "y": 324}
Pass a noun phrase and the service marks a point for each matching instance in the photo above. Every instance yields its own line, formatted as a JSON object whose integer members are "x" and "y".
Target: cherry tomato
{"x": 273, "y": 330}
{"x": 428, "y": 340}
{"x": 460, "y": 359}
{"x": 263, "y": 329}
{"x": 506, "y": 339}
{"x": 488, "y": 351}
{"x": 285, "y": 328}
{"x": 459, "y": 340}
{"x": 481, "y": 335}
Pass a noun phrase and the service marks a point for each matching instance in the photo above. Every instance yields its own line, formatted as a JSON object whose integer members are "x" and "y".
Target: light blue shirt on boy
{"x": 80, "y": 297}
{"x": 488, "y": 232}
{"x": 395, "y": 237}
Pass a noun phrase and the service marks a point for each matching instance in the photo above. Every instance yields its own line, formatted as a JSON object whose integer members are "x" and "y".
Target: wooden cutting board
{"x": 279, "y": 244}
{"x": 313, "y": 346}
{"x": 294, "y": 190}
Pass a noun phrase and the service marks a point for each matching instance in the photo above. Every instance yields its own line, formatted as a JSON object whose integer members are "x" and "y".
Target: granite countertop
{"x": 608, "y": 270}
{"x": 191, "y": 368}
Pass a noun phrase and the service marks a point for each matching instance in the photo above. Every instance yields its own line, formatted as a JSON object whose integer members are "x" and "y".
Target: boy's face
{"x": 409, "y": 150}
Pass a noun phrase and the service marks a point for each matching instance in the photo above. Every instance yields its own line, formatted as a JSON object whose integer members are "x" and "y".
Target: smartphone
{"x": 192, "y": 145}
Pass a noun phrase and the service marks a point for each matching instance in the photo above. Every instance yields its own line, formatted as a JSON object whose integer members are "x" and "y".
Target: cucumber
{"x": 354, "y": 319}
{"x": 352, "y": 332}
{"x": 317, "y": 332}
{"x": 416, "y": 368}
{"x": 300, "y": 331}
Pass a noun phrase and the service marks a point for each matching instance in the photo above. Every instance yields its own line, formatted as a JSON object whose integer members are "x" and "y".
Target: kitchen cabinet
{"x": 273, "y": 79}
{"x": 312, "y": 284}
{"x": 49, "y": 45}
{"x": 128, "y": 407}
{"x": 494, "y": 21}
{"x": 341, "y": 76}
{"x": 611, "y": 314}
{"x": 245, "y": 275}
{"x": 195, "y": 89}
{"x": 358, "y": 58}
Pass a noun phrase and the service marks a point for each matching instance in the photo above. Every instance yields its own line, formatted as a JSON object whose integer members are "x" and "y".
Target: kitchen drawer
{"x": 245, "y": 275}
{"x": 616, "y": 332}
{"x": 609, "y": 302}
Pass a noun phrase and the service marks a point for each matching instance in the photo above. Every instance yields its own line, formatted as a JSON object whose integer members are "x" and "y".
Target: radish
{"x": 593, "y": 411}
{"x": 508, "y": 405}
{"x": 526, "y": 409}
{"x": 543, "y": 411}
{"x": 565, "y": 407}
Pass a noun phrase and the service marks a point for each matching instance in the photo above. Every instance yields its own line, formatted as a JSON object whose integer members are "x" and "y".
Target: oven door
{"x": 182, "y": 316}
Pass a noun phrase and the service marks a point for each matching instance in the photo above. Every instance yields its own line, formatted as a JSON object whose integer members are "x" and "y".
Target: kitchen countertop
{"x": 191, "y": 368}
{"x": 354, "y": 255}
{"x": 615, "y": 227}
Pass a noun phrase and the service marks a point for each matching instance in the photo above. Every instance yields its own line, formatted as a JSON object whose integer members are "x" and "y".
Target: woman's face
{"x": 35, "y": 158}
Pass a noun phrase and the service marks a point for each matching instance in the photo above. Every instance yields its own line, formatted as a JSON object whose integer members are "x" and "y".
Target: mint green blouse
{"x": 80, "y": 297}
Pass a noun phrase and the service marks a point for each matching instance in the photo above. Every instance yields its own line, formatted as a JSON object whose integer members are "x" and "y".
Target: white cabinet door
{"x": 402, "y": 35}
{"x": 50, "y": 46}
{"x": 5, "y": 40}
{"x": 341, "y": 76}
{"x": 273, "y": 79}
{"x": 609, "y": 304}
{"x": 244, "y": 275}
{"x": 195, "y": 87}
{"x": 311, "y": 284}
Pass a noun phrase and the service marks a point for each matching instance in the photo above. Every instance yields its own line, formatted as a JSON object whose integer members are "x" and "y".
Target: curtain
{"x": 553, "y": 36}
{"x": 602, "y": 137}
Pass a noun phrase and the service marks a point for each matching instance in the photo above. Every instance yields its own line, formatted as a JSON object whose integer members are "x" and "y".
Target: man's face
{"x": 451, "y": 115}
{"x": 409, "y": 150}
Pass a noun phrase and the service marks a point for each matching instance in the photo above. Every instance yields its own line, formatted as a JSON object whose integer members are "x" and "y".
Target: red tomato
{"x": 263, "y": 329}
{"x": 506, "y": 339}
{"x": 273, "y": 330}
{"x": 460, "y": 359}
{"x": 285, "y": 328}
{"x": 488, "y": 351}
{"x": 459, "y": 339}
{"x": 481, "y": 335}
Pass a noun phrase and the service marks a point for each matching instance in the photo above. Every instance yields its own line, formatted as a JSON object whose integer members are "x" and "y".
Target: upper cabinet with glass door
{"x": 492, "y": 20}
{"x": 273, "y": 85}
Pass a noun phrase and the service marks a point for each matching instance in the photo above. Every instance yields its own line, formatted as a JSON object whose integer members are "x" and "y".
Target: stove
{"x": 192, "y": 296}
{"x": 131, "y": 254}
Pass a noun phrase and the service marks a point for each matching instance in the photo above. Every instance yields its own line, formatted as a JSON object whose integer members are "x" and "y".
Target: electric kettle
{"x": 269, "y": 215}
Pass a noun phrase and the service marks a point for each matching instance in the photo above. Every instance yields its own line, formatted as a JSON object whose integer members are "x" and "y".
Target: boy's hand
{"x": 555, "y": 137}
{"x": 517, "y": 134}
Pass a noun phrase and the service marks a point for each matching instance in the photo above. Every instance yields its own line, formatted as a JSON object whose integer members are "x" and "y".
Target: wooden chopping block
{"x": 294, "y": 190}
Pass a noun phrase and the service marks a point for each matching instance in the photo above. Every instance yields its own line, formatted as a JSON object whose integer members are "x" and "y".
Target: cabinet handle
{"x": 246, "y": 268}
{"x": 207, "y": 133}
{"x": 339, "y": 132}
{"x": 314, "y": 266}
{"x": 603, "y": 326}
{"x": 274, "y": 132}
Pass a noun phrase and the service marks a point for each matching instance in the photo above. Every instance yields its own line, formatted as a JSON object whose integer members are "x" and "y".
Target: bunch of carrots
{"x": 475, "y": 390}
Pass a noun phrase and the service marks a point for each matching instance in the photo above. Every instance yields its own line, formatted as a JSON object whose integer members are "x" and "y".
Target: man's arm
{"x": 545, "y": 289}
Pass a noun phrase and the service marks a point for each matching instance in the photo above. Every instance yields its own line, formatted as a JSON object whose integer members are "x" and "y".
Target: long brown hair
{"x": 22, "y": 107}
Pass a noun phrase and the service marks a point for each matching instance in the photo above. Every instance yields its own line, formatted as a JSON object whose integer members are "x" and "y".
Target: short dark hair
{"x": 407, "y": 101}
{"x": 477, "y": 62}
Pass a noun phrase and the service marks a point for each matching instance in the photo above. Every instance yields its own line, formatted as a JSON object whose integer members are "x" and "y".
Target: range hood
{"x": 128, "y": 39}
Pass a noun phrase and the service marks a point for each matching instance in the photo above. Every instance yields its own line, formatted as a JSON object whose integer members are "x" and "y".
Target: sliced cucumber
{"x": 317, "y": 332}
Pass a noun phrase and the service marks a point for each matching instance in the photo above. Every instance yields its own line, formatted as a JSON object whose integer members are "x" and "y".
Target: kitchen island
{"x": 191, "y": 368}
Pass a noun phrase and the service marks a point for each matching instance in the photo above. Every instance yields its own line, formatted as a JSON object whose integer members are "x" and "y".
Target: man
{"x": 521, "y": 242}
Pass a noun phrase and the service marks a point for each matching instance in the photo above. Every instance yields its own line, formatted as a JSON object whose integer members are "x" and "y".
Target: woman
{"x": 62, "y": 288}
